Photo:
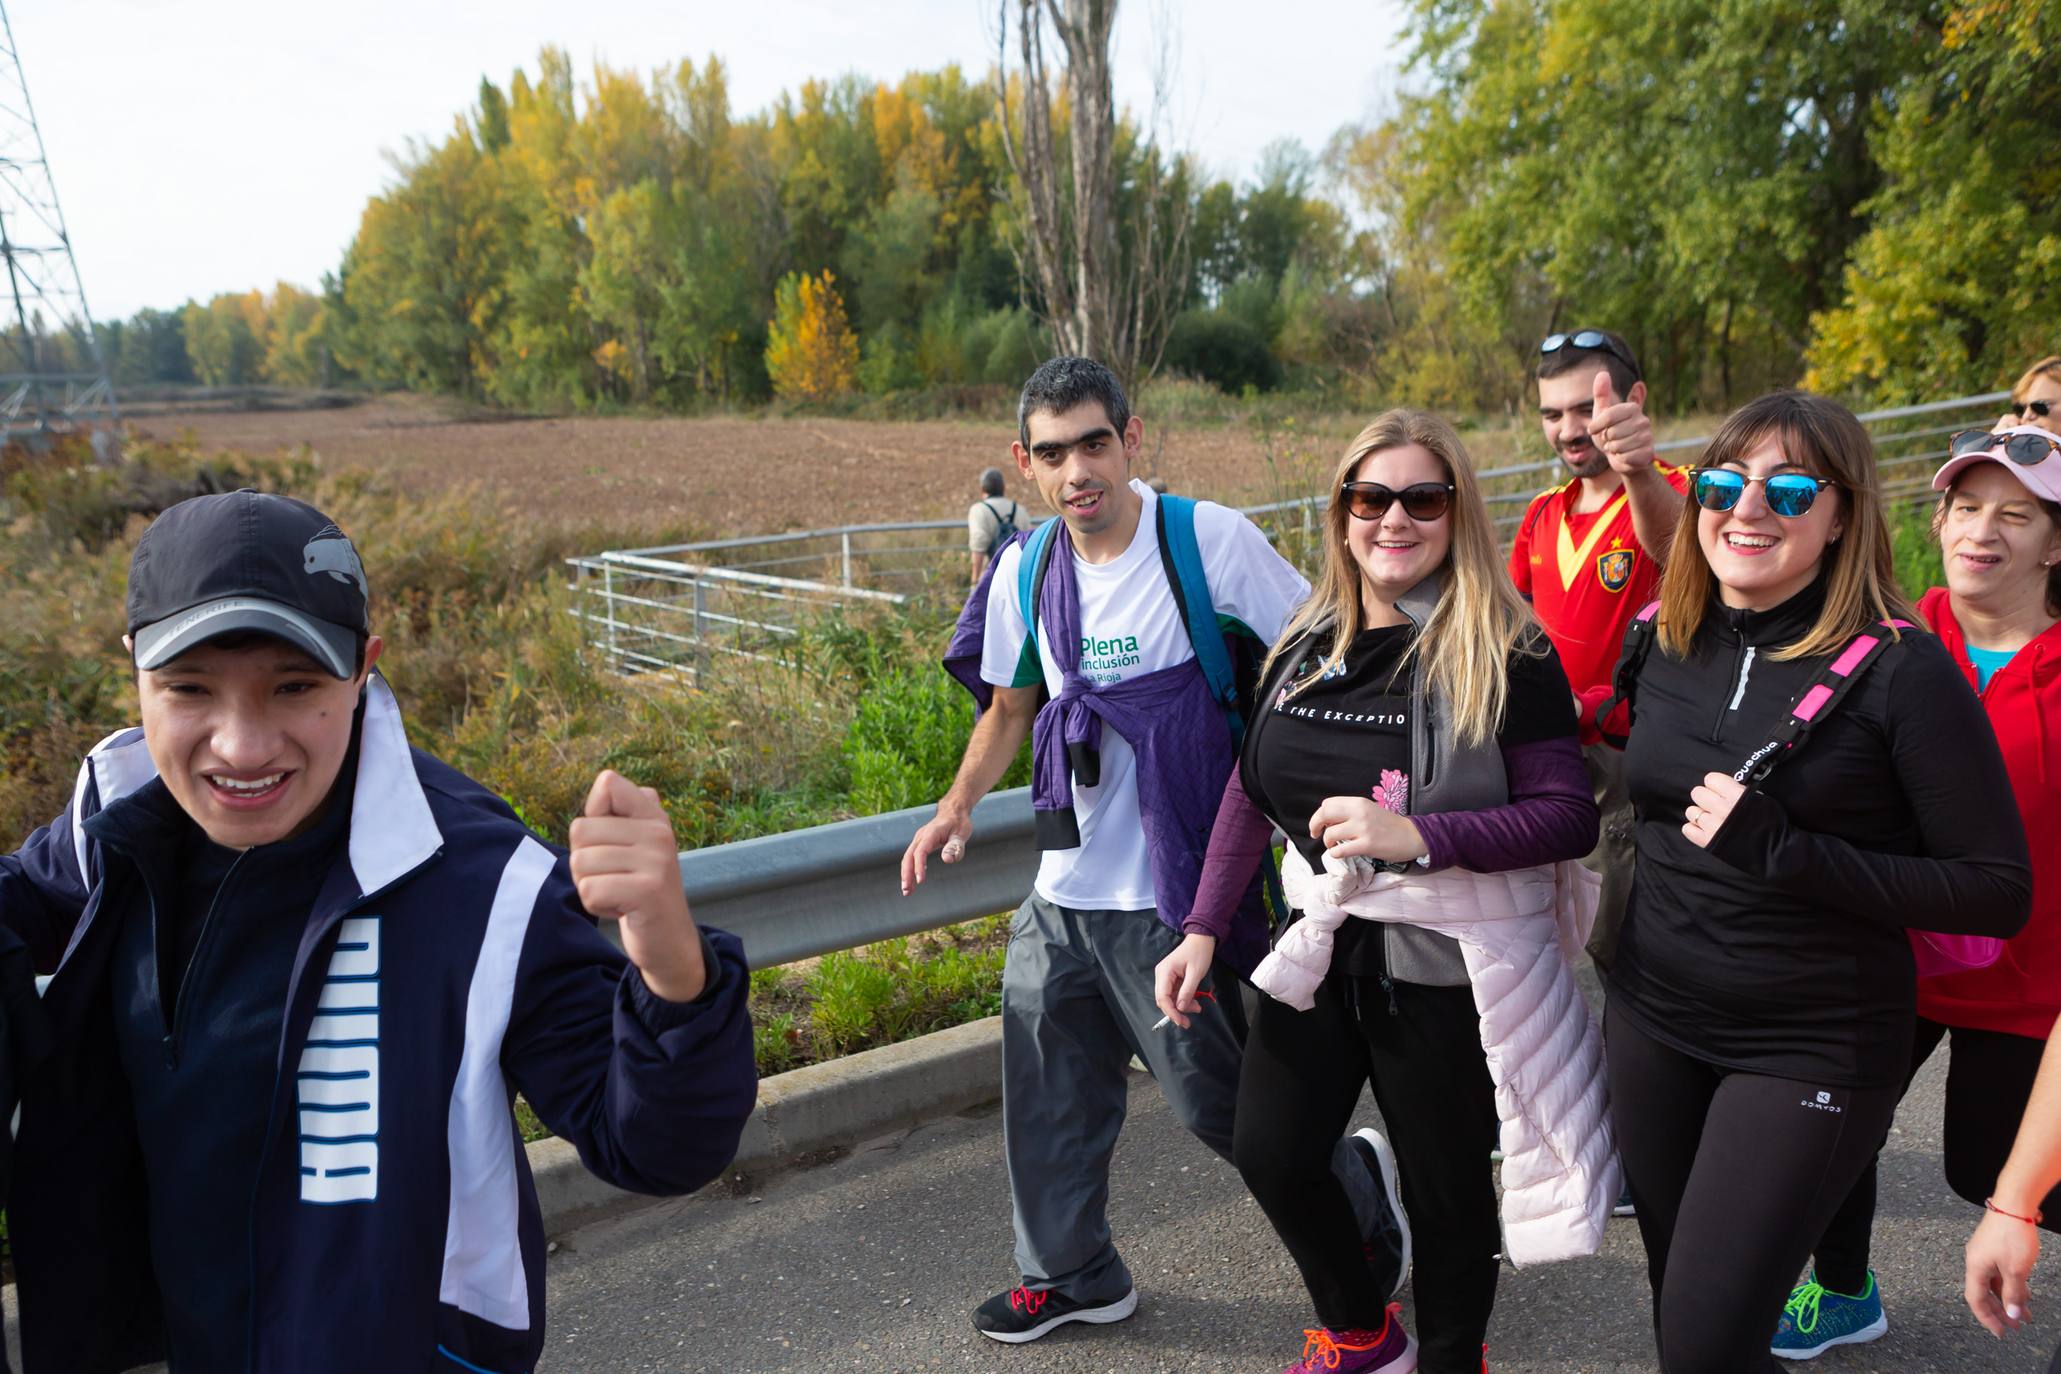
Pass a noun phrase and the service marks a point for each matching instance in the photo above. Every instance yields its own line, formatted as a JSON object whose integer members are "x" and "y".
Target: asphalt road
{"x": 872, "y": 1261}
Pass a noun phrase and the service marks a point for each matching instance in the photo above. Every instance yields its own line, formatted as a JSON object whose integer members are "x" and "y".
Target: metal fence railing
{"x": 679, "y": 607}
{"x": 838, "y": 886}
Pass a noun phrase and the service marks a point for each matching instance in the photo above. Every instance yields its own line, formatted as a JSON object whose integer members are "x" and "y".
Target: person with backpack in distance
{"x": 1113, "y": 638}
{"x": 1415, "y": 739}
{"x": 1813, "y": 782}
{"x": 991, "y": 522}
{"x": 299, "y": 971}
{"x": 1998, "y": 525}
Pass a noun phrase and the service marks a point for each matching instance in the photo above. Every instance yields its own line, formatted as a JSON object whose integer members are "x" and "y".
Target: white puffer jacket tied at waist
{"x": 1518, "y": 931}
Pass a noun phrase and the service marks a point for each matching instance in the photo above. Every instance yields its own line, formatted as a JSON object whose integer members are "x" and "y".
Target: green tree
{"x": 1950, "y": 290}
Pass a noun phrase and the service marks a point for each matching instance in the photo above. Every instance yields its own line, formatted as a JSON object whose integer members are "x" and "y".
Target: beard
{"x": 1594, "y": 465}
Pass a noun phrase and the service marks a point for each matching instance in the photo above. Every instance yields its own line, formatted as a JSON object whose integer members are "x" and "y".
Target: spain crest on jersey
{"x": 1614, "y": 569}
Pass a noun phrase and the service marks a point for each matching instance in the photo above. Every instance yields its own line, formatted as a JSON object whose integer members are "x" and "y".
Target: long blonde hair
{"x": 1824, "y": 439}
{"x": 1479, "y": 621}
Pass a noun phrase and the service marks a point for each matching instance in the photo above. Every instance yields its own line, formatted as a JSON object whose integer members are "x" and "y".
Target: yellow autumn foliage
{"x": 811, "y": 353}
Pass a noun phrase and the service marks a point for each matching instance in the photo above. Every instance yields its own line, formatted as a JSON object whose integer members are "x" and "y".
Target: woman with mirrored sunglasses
{"x": 1412, "y": 721}
{"x": 1998, "y": 525}
{"x": 2036, "y": 397}
{"x": 1760, "y": 1011}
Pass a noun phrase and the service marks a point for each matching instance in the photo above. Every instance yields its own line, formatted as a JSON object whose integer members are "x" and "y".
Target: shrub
{"x": 1223, "y": 350}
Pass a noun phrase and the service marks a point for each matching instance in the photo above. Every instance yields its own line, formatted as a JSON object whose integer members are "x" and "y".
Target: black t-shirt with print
{"x": 1348, "y": 735}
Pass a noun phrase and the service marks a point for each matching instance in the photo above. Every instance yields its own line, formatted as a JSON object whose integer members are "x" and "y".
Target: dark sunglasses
{"x": 1590, "y": 339}
{"x": 2039, "y": 408}
{"x": 2022, "y": 449}
{"x": 1789, "y": 494}
{"x": 1421, "y": 500}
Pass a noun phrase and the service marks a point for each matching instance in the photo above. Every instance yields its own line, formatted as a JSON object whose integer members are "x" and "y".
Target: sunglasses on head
{"x": 1589, "y": 339}
{"x": 2038, "y": 408}
{"x": 1788, "y": 494}
{"x": 1421, "y": 500}
{"x": 2022, "y": 449}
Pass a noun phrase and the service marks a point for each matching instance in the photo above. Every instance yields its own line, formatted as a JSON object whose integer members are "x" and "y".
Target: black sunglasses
{"x": 2039, "y": 408}
{"x": 1590, "y": 339}
{"x": 1789, "y": 494}
{"x": 1421, "y": 500}
{"x": 2022, "y": 449}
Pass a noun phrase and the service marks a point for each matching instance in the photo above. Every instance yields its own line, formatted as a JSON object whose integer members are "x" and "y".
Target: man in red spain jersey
{"x": 1588, "y": 556}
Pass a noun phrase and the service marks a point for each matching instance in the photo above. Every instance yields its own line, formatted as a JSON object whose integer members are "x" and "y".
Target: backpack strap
{"x": 1818, "y": 700}
{"x": 1181, "y": 557}
{"x": 1638, "y": 643}
{"x": 1031, "y": 566}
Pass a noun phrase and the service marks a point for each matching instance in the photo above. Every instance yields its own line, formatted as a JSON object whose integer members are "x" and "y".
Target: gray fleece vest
{"x": 1445, "y": 775}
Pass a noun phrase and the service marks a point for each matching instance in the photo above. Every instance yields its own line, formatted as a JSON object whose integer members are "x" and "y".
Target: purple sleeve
{"x": 1550, "y": 816}
{"x": 1237, "y": 842}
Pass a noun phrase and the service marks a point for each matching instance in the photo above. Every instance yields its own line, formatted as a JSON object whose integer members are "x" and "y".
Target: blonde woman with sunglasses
{"x": 2036, "y": 398}
{"x": 1812, "y": 779}
{"x": 1412, "y": 721}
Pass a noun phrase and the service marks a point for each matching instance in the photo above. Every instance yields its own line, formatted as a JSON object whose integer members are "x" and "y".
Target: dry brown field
{"x": 677, "y": 478}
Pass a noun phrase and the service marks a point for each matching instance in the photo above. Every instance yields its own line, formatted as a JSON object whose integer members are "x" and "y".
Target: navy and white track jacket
{"x": 446, "y": 964}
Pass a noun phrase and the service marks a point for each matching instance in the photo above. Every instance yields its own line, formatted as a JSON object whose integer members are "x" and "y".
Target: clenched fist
{"x": 626, "y": 866}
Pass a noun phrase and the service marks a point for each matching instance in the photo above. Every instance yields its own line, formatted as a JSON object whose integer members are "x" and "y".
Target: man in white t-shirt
{"x": 1077, "y": 996}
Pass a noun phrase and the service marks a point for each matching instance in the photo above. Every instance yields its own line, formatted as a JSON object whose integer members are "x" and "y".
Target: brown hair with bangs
{"x": 1824, "y": 439}
{"x": 1480, "y": 619}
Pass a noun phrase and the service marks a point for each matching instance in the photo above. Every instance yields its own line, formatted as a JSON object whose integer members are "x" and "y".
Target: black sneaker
{"x": 1365, "y": 1164}
{"x": 1024, "y": 1314}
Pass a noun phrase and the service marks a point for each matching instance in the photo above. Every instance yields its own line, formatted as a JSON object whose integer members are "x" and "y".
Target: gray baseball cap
{"x": 244, "y": 561}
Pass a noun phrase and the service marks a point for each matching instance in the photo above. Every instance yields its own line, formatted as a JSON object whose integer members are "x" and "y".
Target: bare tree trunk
{"x": 1099, "y": 295}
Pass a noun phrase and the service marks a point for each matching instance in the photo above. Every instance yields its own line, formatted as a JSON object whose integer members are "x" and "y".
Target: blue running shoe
{"x": 1816, "y": 1319}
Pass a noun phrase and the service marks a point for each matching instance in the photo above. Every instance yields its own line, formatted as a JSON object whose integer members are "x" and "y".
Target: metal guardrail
{"x": 838, "y": 886}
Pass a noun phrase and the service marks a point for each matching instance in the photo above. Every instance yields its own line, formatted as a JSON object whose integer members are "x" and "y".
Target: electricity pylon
{"x": 53, "y": 376}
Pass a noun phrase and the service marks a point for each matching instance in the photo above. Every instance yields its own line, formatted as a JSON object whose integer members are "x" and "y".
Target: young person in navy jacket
{"x": 299, "y": 969}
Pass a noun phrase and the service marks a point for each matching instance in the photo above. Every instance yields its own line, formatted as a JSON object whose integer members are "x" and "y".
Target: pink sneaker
{"x": 1387, "y": 1351}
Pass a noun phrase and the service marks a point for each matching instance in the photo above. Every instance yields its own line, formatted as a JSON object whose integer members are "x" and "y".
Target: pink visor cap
{"x": 2041, "y": 478}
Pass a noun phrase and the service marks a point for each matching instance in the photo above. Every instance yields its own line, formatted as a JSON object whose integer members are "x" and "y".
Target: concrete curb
{"x": 803, "y": 1111}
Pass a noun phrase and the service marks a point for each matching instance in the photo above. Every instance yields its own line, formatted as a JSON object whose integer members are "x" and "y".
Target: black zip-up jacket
{"x": 1782, "y": 949}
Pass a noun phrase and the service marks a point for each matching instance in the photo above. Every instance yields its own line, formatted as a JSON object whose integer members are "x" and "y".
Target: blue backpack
{"x": 1181, "y": 557}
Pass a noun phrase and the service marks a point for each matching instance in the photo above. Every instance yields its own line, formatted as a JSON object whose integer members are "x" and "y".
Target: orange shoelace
{"x": 1320, "y": 1344}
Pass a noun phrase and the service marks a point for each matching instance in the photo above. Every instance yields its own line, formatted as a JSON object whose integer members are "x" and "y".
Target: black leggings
{"x": 1734, "y": 1175}
{"x": 1989, "y": 1081}
{"x": 1302, "y": 1076}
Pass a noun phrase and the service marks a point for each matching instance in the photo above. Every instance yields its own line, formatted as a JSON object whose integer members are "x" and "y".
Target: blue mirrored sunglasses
{"x": 1789, "y": 494}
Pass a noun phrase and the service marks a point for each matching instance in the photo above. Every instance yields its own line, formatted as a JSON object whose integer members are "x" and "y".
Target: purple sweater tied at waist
{"x": 1176, "y": 732}
{"x": 1550, "y": 816}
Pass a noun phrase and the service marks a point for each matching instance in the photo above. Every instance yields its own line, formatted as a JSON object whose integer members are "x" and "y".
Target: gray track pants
{"x": 1076, "y": 1004}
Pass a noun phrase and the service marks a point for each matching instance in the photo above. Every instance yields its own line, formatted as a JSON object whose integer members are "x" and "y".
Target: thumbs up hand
{"x": 1620, "y": 430}
{"x": 626, "y": 867}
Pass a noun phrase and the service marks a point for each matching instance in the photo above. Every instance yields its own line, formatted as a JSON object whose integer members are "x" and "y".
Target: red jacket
{"x": 2021, "y": 992}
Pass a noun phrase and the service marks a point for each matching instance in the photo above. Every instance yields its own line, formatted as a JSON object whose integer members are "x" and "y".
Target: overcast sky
{"x": 214, "y": 145}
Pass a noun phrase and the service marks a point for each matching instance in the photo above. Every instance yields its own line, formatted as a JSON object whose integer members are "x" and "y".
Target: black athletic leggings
{"x": 1734, "y": 1175}
{"x": 1989, "y": 1081}
{"x": 1301, "y": 1078}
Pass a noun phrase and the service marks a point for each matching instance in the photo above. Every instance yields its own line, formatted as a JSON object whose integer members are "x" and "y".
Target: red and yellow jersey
{"x": 1586, "y": 576}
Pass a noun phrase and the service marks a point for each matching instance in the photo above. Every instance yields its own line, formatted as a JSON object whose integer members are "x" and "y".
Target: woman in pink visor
{"x": 1998, "y": 524}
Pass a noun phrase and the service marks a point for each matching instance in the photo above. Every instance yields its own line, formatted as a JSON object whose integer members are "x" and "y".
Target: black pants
{"x": 1989, "y": 1081}
{"x": 1734, "y": 1175}
{"x": 1302, "y": 1076}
